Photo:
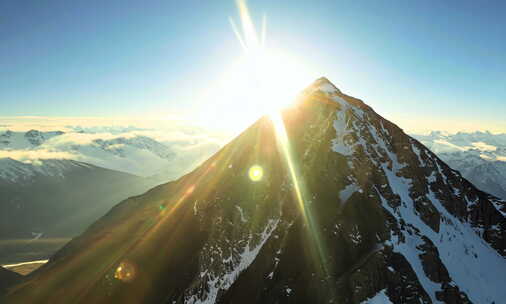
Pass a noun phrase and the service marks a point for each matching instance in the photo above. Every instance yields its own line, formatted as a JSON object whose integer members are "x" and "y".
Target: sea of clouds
{"x": 190, "y": 143}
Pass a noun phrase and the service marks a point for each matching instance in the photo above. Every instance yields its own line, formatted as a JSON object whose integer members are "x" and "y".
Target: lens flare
{"x": 190, "y": 190}
{"x": 256, "y": 173}
{"x": 300, "y": 195}
{"x": 125, "y": 272}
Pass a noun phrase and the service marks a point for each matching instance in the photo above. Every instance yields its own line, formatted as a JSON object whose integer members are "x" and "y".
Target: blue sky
{"x": 422, "y": 64}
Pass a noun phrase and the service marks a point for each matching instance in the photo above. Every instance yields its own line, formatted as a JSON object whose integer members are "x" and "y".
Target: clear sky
{"x": 422, "y": 64}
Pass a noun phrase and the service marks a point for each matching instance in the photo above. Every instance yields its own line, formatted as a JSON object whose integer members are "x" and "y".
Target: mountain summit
{"x": 324, "y": 85}
{"x": 328, "y": 203}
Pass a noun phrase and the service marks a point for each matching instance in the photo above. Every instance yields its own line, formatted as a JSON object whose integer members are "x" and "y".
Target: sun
{"x": 261, "y": 80}
{"x": 267, "y": 78}
{"x": 271, "y": 78}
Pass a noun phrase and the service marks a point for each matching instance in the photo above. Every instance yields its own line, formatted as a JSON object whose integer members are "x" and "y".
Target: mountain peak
{"x": 373, "y": 210}
{"x": 323, "y": 84}
{"x": 322, "y": 87}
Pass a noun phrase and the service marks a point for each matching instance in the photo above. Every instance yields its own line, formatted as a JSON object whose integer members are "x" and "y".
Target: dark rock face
{"x": 432, "y": 265}
{"x": 349, "y": 208}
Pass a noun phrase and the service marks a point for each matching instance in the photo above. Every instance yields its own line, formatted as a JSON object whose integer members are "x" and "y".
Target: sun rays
{"x": 255, "y": 50}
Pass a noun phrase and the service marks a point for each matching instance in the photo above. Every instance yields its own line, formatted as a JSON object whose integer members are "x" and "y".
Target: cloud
{"x": 483, "y": 146}
{"x": 32, "y": 156}
{"x": 76, "y": 138}
{"x": 449, "y": 144}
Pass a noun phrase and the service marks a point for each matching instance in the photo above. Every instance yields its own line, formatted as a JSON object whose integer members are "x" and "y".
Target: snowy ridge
{"x": 326, "y": 86}
{"x": 25, "y": 140}
{"x": 500, "y": 206}
{"x": 458, "y": 247}
{"x": 458, "y": 243}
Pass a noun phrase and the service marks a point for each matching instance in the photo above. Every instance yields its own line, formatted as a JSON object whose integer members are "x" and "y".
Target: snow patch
{"x": 380, "y": 298}
{"x": 243, "y": 219}
{"x": 218, "y": 282}
{"x": 345, "y": 194}
{"x": 458, "y": 246}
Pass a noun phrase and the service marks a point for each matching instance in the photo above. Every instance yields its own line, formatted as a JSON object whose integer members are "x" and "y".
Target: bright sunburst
{"x": 271, "y": 77}
{"x": 263, "y": 79}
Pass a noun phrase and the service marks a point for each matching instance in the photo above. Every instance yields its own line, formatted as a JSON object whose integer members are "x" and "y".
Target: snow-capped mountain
{"x": 479, "y": 156}
{"x": 57, "y": 183}
{"x": 330, "y": 203}
{"x": 51, "y": 196}
{"x": 23, "y": 140}
{"x": 61, "y": 196}
{"x": 117, "y": 149}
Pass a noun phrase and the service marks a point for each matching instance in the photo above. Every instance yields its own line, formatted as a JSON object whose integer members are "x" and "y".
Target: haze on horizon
{"x": 424, "y": 65}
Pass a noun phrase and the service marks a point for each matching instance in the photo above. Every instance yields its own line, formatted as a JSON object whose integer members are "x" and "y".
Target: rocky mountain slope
{"x": 479, "y": 156}
{"x": 339, "y": 207}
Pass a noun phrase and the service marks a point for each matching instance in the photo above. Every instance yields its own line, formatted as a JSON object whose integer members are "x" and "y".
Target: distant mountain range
{"x": 120, "y": 150}
{"x": 479, "y": 156}
{"x": 55, "y": 184}
{"x": 328, "y": 203}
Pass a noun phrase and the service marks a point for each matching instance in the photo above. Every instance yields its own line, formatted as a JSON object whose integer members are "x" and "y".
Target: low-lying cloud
{"x": 483, "y": 146}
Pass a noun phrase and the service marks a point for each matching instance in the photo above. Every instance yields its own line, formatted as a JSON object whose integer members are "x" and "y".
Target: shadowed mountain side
{"x": 62, "y": 204}
{"x": 7, "y": 279}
